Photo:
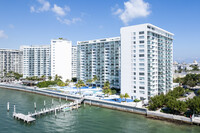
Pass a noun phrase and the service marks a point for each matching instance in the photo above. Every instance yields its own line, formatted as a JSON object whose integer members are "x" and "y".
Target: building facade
{"x": 74, "y": 61}
{"x": 101, "y": 58}
{"x": 36, "y": 61}
{"x": 10, "y": 60}
{"x": 146, "y": 61}
{"x": 61, "y": 58}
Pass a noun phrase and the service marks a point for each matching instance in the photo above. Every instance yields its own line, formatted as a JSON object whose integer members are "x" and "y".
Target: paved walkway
{"x": 192, "y": 94}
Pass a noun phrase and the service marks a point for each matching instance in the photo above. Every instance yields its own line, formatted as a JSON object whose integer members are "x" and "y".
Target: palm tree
{"x": 121, "y": 96}
{"x": 43, "y": 77}
{"x": 89, "y": 81}
{"x": 49, "y": 78}
{"x": 95, "y": 78}
{"x": 57, "y": 78}
{"x": 67, "y": 82}
{"x": 126, "y": 96}
{"x": 79, "y": 84}
{"x": 106, "y": 85}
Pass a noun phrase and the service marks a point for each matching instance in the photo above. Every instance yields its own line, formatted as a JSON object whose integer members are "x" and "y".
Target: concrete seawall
{"x": 107, "y": 104}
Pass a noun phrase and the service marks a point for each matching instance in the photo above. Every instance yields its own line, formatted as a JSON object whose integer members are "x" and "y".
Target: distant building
{"x": 10, "y": 60}
{"x": 36, "y": 61}
{"x": 146, "y": 61}
{"x": 74, "y": 61}
{"x": 61, "y": 58}
{"x": 99, "y": 57}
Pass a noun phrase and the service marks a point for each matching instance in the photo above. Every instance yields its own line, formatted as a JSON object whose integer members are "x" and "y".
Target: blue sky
{"x": 36, "y": 22}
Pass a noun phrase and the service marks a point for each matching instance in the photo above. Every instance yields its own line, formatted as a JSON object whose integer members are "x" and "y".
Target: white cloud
{"x": 45, "y": 6}
{"x": 69, "y": 21}
{"x": 2, "y": 34}
{"x": 132, "y": 9}
{"x": 60, "y": 11}
{"x": 32, "y": 9}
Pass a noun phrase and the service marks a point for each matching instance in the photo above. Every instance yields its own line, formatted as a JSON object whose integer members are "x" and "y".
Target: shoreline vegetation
{"x": 171, "y": 104}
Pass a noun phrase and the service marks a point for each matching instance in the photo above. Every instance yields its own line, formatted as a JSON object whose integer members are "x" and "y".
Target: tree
{"x": 191, "y": 83}
{"x": 74, "y": 79}
{"x": 79, "y": 84}
{"x": 106, "y": 85}
{"x": 194, "y": 104}
{"x": 89, "y": 82}
{"x": 60, "y": 83}
{"x": 171, "y": 104}
{"x": 107, "y": 92}
{"x": 195, "y": 67}
{"x": 198, "y": 92}
{"x": 67, "y": 82}
{"x": 121, "y": 96}
{"x": 113, "y": 92}
{"x": 57, "y": 78}
{"x": 49, "y": 78}
{"x": 126, "y": 96}
{"x": 95, "y": 78}
{"x": 43, "y": 77}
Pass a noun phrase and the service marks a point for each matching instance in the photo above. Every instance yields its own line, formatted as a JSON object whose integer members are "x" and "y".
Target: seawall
{"x": 107, "y": 104}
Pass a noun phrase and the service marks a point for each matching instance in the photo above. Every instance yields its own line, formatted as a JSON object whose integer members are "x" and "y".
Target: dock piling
{"x": 60, "y": 100}
{"x": 44, "y": 103}
{"x": 8, "y": 107}
{"x": 14, "y": 109}
{"x": 35, "y": 106}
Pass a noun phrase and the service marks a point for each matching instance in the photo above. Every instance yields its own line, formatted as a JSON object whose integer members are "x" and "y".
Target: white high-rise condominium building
{"x": 146, "y": 61}
{"x": 101, "y": 58}
{"x": 61, "y": 58}
{"x": 36, "y": 61}
{"x": 74, "y": 61}
{"x": 10, "y": 60}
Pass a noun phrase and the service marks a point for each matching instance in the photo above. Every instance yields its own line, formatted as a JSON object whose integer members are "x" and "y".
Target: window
{"x": 141, "y": 37}
{"x": 141, "y": 42}
{"x": 142, "y": 83}
{"x": 142, "y": 87}
{"x": 141, "y": 55}
{"x": 141, "y": 60}
{"x": 141, "y": 46}
{"x": 134, "y": 91}
{"x": 141, "y": 69}
{"x": 141, "y": 50}
{"x": 141, "y": 78}
{"x": 141, "y": 74}
{"x": 141, "y": 64}
{"x": 141, "y": 32}
{"x": 141, "y": 92}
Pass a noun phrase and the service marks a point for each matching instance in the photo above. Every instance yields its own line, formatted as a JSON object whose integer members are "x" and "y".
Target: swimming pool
{"x": 84, "y": 90}
{"x": 119, "y": 100}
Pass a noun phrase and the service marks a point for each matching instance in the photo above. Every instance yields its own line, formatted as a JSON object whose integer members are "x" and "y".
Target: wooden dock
{"x": 29, "y": 118}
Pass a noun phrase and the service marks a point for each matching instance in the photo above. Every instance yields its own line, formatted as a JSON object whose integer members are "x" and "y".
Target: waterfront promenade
{"x": 106, "y": 104}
